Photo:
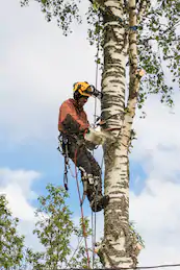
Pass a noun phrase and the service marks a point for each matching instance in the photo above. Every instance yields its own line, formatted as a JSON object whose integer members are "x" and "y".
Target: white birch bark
{"x": 113, "y": 250}
{"x": 118, "y": 249}
{"x": 143, "y": 7}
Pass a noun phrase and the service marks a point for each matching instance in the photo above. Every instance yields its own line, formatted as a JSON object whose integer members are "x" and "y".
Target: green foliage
{"x": 63, "y": 11}
{"x": 158, "y": 40}
{"x": 158, "y": 47}
{"x": 136, "y": 234}
{"x": 54, "y": 228}
{"x": 11, "y": 244}
{"x": 79, "y": 257}
{"x": 94, "y": 20}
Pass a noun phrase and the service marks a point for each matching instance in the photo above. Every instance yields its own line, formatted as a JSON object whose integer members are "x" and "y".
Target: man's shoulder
{"x": 68, "y": 101}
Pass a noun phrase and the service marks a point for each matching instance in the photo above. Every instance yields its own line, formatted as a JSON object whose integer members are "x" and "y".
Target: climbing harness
{"x": 63, "y": 149}
{"x": 93, "y": 215}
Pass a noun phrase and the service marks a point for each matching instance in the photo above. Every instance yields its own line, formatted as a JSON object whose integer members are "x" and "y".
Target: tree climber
{"x": 73, "y": 125}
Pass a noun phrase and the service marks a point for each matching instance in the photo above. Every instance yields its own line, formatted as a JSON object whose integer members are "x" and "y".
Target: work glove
{"x": 98, "y": 137}
{"x": 90, "y": 145}
{"x": 94, "y": 136}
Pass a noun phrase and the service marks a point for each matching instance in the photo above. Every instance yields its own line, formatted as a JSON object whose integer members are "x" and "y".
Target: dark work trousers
{"x": 85, "y": 159}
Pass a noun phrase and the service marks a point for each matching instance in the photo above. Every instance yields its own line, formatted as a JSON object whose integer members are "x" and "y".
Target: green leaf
{"x": 44, "y": 2}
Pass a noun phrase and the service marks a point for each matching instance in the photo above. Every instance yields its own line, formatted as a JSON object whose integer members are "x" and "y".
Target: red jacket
{"x": 69, "y": 107}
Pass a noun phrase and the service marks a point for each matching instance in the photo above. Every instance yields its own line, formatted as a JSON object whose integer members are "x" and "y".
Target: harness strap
{"x": 66, "y": 160}
{"x": 64, "y": 151}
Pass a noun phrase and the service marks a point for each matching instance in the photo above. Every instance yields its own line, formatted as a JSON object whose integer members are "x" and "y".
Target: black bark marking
{"x": 124, "y": 184}
{"x": 116, "y": 192}
{"x": 119, "y": 69}
{"x": 132, "y": 41}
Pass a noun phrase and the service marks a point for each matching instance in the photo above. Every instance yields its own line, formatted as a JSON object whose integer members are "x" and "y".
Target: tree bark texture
{"x": 118, "y": 248}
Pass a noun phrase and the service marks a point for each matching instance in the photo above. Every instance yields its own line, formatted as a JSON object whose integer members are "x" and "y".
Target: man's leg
{"x": 97, "y": 200}
{"x": 91, "y": 176}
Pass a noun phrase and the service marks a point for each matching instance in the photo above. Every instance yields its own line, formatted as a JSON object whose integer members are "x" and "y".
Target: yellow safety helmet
{"x": 84, "y": 88}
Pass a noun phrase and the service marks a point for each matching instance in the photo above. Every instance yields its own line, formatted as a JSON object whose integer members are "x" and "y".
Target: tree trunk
{"x": 118, "y": 247}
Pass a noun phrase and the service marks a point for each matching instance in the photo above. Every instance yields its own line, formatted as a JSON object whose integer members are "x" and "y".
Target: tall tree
{"x": 54, "y": 230}
{"x": 11, "y": 244}
{"x": 136, "y": 36}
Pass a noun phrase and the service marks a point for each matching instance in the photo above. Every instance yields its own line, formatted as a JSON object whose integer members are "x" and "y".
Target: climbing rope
{"x": 82, "y": 213}
{"x": 93, "y": 215}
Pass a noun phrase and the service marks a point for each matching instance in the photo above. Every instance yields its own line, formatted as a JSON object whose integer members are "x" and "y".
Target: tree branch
{"x": 134, "y": 74}
{"x": 143, "y": 5}
{"x": 170, "y": 27}
{"x": 77, "y": 248}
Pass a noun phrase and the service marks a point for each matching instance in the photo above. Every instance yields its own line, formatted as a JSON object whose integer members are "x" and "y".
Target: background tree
{"x": 11, "y": 244}
{"x": 135, "y": 36}
{"x": 54, "y": 230}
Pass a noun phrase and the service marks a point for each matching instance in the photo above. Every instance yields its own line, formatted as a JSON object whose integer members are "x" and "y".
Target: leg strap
{"x": 90, "y": 184}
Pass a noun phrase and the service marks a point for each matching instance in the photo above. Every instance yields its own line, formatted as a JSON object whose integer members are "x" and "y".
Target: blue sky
{"x": 49, "y": 162}
{"x": 38, "y": 67}
{"x": 34, "y": 154}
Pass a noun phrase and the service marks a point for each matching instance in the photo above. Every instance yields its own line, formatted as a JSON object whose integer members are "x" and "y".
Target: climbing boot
{"x": 99, "y": 202}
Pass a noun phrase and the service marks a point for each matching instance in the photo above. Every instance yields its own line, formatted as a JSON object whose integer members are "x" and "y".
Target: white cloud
{"x": 157, "y": 216}
{"x": 17, "y": 186}
{"x": 159, "y": 130}
{"x": 156, "y": 210}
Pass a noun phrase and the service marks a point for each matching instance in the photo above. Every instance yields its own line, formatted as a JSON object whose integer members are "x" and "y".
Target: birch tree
{"x": 137, "y": 38}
